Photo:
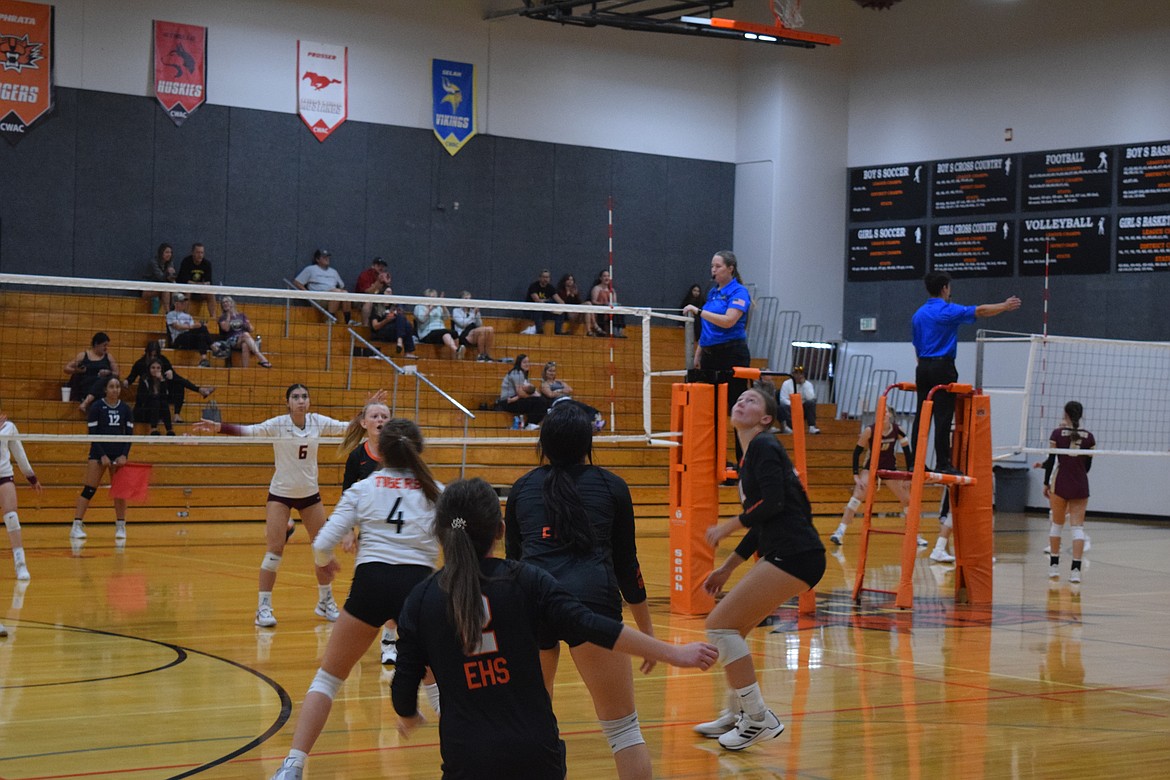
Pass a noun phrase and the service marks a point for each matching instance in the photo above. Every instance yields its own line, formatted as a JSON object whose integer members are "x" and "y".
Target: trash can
{"x": 1011, "y": 488}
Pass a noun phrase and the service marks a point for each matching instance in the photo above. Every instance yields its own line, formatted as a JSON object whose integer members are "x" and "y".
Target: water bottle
{"x": 516, "y": 423}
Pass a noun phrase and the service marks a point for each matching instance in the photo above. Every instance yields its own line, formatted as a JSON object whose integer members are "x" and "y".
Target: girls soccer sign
{"x": 453, "y": 85}
{"x": 322, "y": 87}
{"x": 180, "y": 68}
{"x": 26, "y": 66}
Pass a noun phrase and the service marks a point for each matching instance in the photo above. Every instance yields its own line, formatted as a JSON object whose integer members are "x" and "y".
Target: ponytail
{"x": 566, "y": 439}
{"x": 1074, "y": 411}
{"x": 467, "y": 522}
{"x": 355, "y": 432}
{"x": 400, "y": 445}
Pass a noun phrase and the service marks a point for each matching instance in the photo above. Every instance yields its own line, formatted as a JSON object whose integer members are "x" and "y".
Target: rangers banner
{"x": 453, "y": 84}
{"x": 180, "y": 68}
{"x": 26, "y": 66}
{"x": 322, "y": 89}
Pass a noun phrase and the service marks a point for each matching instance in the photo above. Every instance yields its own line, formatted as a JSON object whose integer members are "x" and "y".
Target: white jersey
{"x": 397, "y": 520}
{"x": 295, "y": 450}
{"x": 12, "y": 449}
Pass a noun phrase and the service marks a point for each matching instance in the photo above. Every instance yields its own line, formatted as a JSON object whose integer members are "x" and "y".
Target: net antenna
{"x": 787, "y": 13}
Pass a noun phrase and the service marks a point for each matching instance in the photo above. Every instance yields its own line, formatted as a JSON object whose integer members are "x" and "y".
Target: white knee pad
{"x": 854, "y": 504}
{"x": 945, "y": 521}
{"x": 271, "y": 562}
{"x": 325, "y": 683}
{"x": 730, "y": 643}
{"x": 1055, "y": 530}
{"x": 622, "y": 733}
{"x": 11, "y": 522}
{"x": 1078, "y": 532}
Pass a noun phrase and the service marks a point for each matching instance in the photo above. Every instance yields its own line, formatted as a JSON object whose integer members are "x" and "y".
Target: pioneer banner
{"x": 180, "y": 68}
{"x": 453, "y": 85}
{"x": 322, "y": 86}
{"x": 26, "y": 66}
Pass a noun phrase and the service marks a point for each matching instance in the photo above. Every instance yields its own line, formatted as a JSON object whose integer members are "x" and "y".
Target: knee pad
{"x": 88, "y": 492}
{"x": 270, "y": 563}
{"x": 731, "y": 645}
{"x": 1055, "y": 530}
{"x": 945, "y": 521}
{"x": 623, "y": 733}
{"x": 854, "y": 504}
{"x": 1078, "y": 532}
{"x": 12, "y": 522}
{"x": 325, "y": 683}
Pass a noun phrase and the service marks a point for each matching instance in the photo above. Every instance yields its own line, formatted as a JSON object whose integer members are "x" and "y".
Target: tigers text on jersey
{"x": 12, "y": 449}
{"x": 397, "y": 520}
{"x": 295, "y": 450}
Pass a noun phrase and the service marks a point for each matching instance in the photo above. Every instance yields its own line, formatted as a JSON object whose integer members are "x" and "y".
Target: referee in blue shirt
{"x": 935, "y": 329}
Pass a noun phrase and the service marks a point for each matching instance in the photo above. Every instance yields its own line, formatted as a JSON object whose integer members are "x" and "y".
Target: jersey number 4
{"x": 395, "y": 516}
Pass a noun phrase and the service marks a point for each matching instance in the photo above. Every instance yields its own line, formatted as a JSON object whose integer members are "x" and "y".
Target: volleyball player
{"x": 792, "y": 560}
{"x": 13, "y": 450}
{"x": 108, "y": 416}
{"x": 1066, "y": 486}
{"x": 576, "y": 521}
{"x": 395, "y": 511}
{"x": 294, "y": 486}
{"x": 476, "y": 624}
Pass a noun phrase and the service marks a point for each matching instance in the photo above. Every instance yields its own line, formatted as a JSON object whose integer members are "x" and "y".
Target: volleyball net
{"x": 1121, "y": 384}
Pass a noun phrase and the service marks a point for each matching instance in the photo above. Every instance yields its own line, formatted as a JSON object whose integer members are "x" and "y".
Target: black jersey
{"x": 360, "y": 464}
{"x": 607, "y": 573}
{"x": 776, "y": 509}
{"x": 497, "y": 719}
{"x": 106, "y": 420}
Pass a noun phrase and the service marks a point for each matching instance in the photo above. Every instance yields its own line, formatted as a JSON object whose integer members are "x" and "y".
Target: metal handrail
{"x": 332, "y": 321}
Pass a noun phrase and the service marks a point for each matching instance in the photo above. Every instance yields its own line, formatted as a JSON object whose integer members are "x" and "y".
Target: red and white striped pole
{"x": 612, "y": 367}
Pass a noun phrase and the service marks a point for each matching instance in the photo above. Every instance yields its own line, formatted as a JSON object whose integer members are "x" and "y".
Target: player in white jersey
{"x": 395, "y": 509}
{"x": 13, "y": 450}
{"x": 294, "y": 486}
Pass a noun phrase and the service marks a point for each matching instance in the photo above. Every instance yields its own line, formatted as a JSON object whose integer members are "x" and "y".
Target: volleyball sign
{"x": 453, "y": 85}
{"x": 322, "y": 86}
{"x": 180, "y": 68}
{"x": 26, "y": 66}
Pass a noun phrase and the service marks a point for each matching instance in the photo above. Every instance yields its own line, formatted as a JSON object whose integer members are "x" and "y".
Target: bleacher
{"x": 41, "y": 332}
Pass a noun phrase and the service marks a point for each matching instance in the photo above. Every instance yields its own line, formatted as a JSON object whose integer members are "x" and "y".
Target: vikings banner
{"x": 180, "y": 68}
{"x": 322, "y": 89}
{"x": 26, "y": 66}
{"x": 453, "y": 84}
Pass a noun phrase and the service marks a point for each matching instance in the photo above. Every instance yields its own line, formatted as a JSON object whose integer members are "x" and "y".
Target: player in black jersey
{"x": 576, "y": 521}
{"x": 475, "y": 623}
{"x": 108, "y": 416}
{"x": 777, "y": 513}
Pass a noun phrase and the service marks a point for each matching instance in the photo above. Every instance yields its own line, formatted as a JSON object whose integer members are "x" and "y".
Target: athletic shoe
{"x": 813, "y": 429}
{"x": 1074, "y": 576}
{"x": 22, "y": 574}
{"x": 289, "y": 771}
{"x": 78, "y": 530}
{"x": 532, "y": 427}
{"x": 205, "y": 363}
{"x": 1054, "y": 572}
{"x": 120, "y": 529}
{"x": 389, "y": 653}
{"x": 327, "y": 608}
{"x": 748, "y": 732}
{"x": 786, "y": 429}
{"x": 718, "y": 727}
{"x": 922, "y": 542}
{"x": 942, "y": 556}
{"x": 459, "y": 353}
{"x": 3, "y": 630}
{"x": 835, "y": 539}
{"x": 265, "y": 618}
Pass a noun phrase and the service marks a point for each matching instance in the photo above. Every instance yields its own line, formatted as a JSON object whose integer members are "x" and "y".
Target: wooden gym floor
{"x": 143, "y": 662}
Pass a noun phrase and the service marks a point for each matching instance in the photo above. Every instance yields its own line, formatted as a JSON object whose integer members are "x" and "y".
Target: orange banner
{"x": 180, "y": 68}
{"x": 26, "y": 66}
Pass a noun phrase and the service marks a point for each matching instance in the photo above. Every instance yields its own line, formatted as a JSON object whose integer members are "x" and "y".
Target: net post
{"x": 695, "y": 473}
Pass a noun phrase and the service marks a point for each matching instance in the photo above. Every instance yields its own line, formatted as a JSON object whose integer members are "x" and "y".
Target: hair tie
{"x": 458, "y": 523}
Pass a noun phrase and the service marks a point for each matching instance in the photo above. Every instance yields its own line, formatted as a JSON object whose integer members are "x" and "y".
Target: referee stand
{"x": 970, "y": 494}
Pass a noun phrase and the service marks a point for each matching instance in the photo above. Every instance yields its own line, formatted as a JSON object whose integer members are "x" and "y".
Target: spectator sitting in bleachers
{"x": 319, "y": 277}
{"x": 196, "y": 269}
{"x": 367, "y": 281}
{"x": 568, "y": 292}
{"x": 89, "y": 369}
{"x": 388, "y": 322}
{"x": 236, "y": 332}
{"x": 520, "y": 397}
{"x": 601, "y": 295}
{"x": 160, "y": 270}
{"x": 176, "y": 385}
{"x": 152, "y": 405}
{"x": 186, "y": 333}
{"x": 542, "y": 291}
{"x": 430, "y": 323}
{"x": 556, "y": 390}
{"x": 472, "y": 332}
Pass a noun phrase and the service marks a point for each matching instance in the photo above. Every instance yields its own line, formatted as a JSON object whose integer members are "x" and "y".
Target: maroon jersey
{"x": 886, "y": 459}
{"x": 1070, "y": 477}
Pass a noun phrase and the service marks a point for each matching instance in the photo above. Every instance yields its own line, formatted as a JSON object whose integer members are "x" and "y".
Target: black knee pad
{"x": 88, "y": 492}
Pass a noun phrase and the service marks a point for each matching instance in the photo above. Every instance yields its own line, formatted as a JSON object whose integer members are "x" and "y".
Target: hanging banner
{"x": 322, "y": 88}
{"x": 26, "y": 66}
{"x": 453, "y": 85}
{"x": 180, "y": 68}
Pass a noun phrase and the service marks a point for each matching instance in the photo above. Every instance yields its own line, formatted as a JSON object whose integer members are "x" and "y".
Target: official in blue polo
{"x": 935, "y": 328}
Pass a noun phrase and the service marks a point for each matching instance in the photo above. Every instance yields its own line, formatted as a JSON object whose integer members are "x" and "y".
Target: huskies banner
{"x": 180, "y": 68}
{"x": 453, "y": 84}
{"x": 322, "y": 89}
{"x": 26, "y": 66}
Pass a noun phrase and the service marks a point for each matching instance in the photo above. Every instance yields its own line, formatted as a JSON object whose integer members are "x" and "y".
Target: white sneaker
{"x": 532, "y": 427}
{"x": 942, "y": 556}
{"x": 120, "y": 529}
{"x": 3, "y": 630}
{"x": 22, "y": 572}
{"x": 1054, "y": 572}
{"x": 922, "y": 542}
{"x": 813, "y": 429}
{"x": 78, "y": 530}
{"x": 529, "y": 331}
{"x": 748, "y": 732}
{"x": 1074, "y": 576}
{"x": 786, "y": 429}
{"x": 327, "y": 608}
{"x": 265, "y": 618}
{"x": 289, "y": 771}
{"x": 718, "y": 727}
{"x": 389, "y": 653}
{"x": 835, "y": 539}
